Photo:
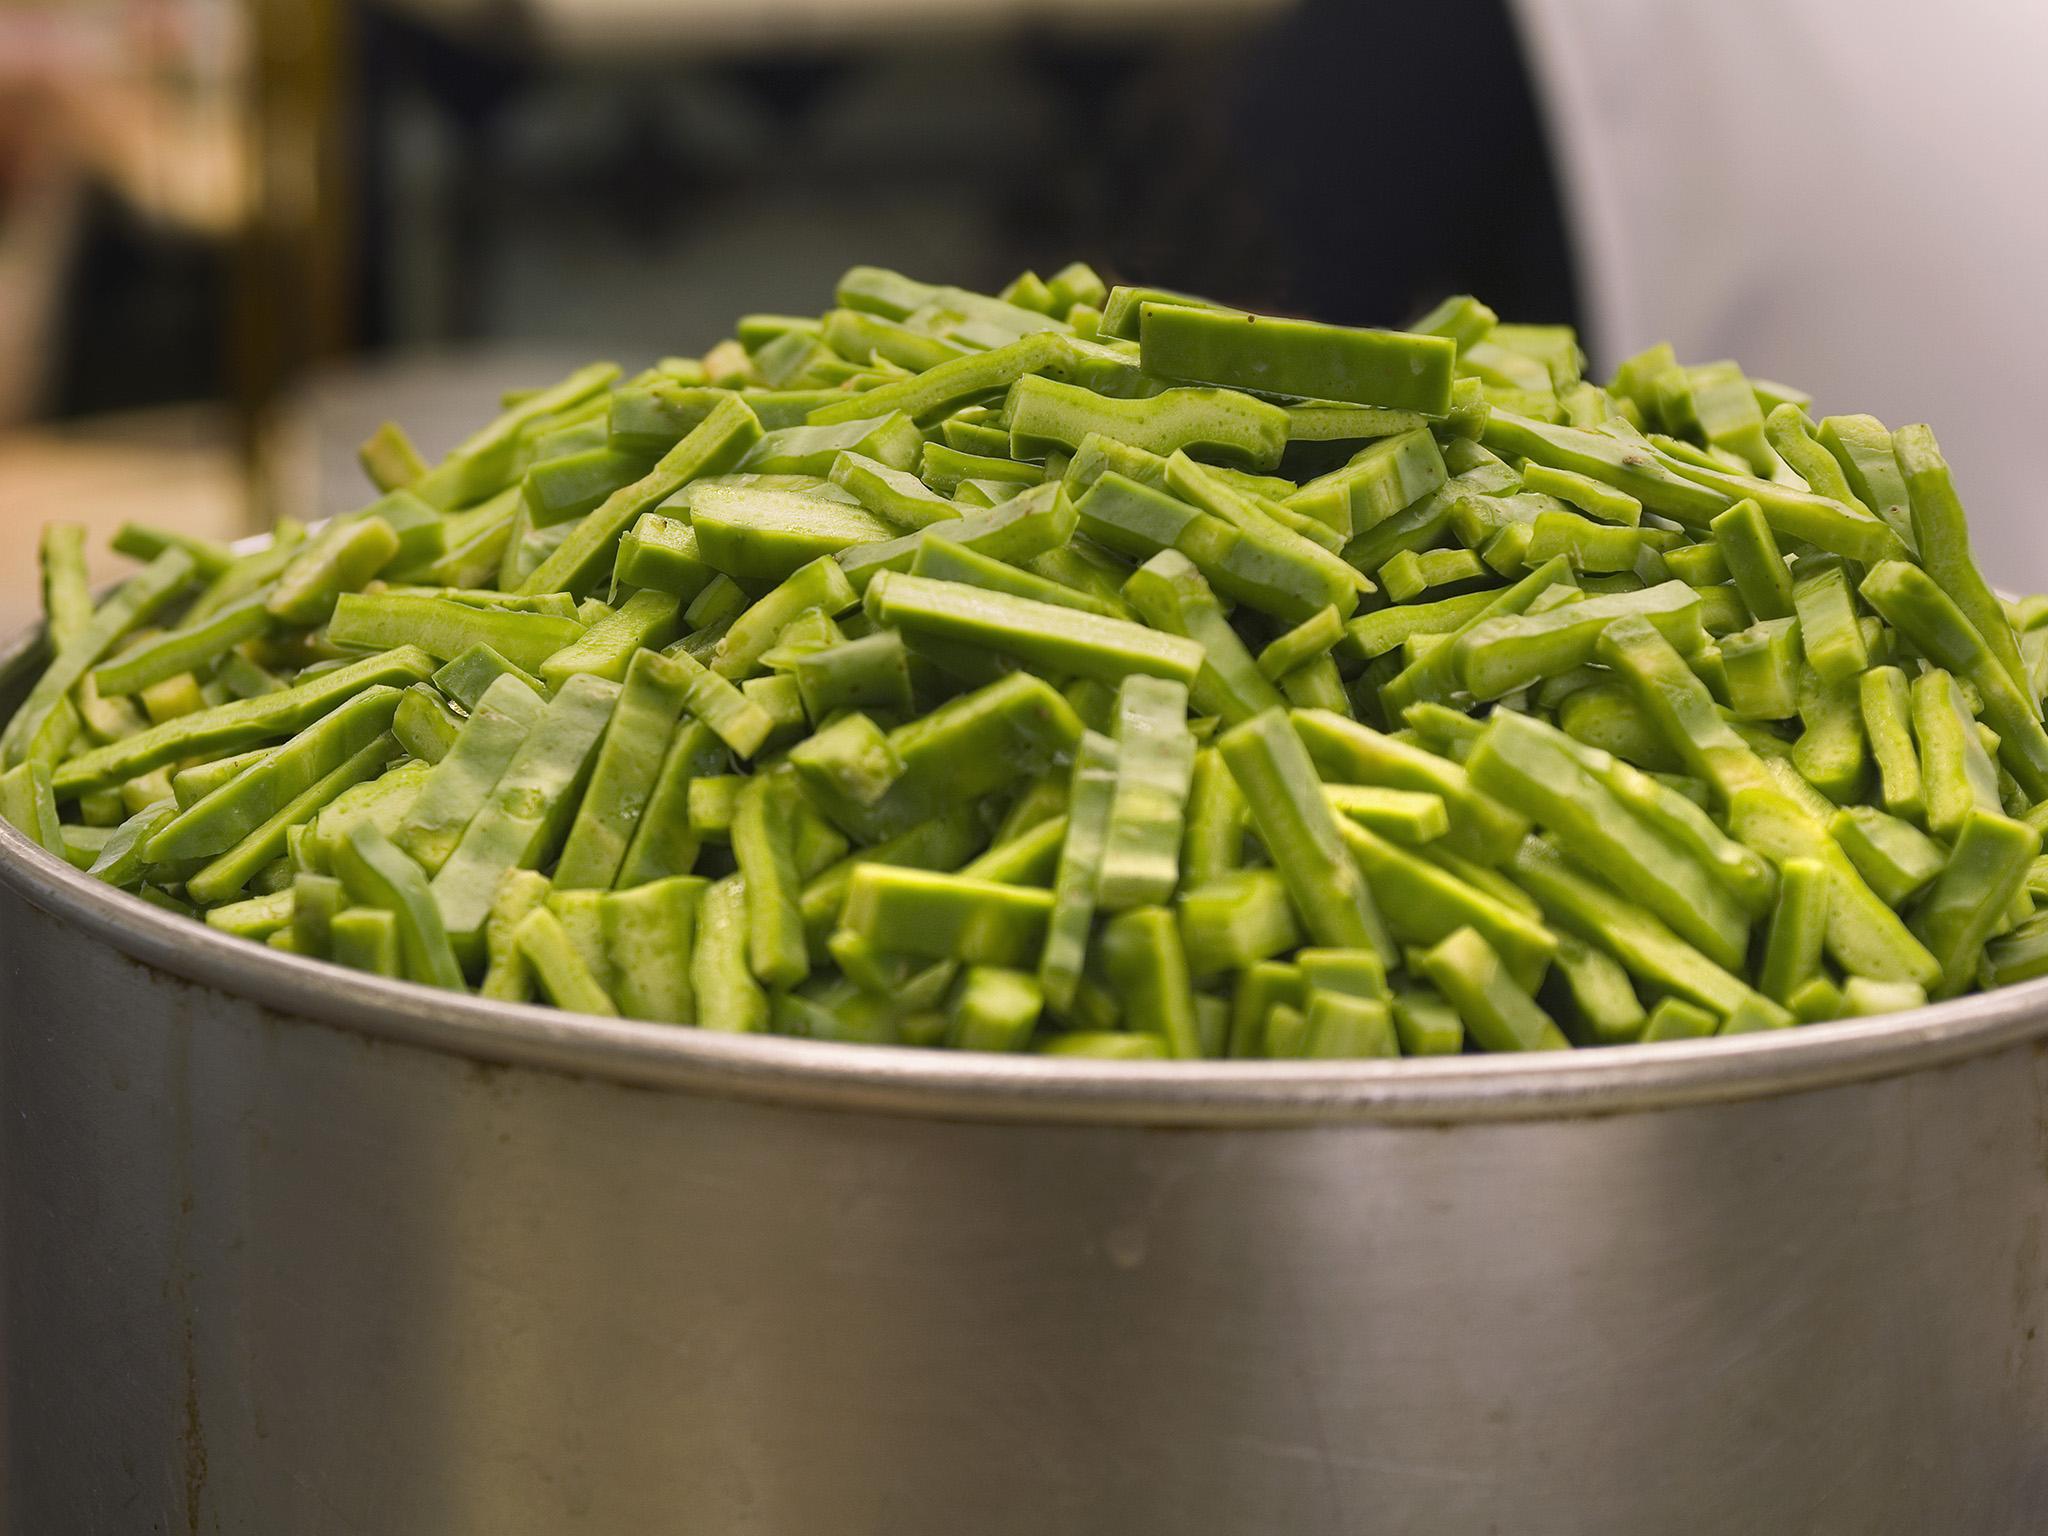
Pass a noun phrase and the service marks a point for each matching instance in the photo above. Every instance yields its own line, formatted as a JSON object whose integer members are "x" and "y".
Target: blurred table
{"x": 175, "y": 467}
{"x": 178, "y": 466}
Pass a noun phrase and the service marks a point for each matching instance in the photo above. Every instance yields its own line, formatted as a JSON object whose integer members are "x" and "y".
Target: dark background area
{"x": 634, "y": 201}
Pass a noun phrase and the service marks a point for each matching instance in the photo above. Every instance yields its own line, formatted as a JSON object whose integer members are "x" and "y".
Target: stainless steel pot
{"x": 293, "y": 1252}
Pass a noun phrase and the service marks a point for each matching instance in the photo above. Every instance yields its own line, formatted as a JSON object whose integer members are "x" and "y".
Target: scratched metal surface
{"x": 289, "y": 1255}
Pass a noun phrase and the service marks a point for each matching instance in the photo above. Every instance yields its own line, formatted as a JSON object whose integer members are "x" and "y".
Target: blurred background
{"x": 236, "y": 234}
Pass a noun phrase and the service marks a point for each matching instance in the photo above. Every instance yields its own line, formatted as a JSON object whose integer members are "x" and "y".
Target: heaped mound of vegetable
{"x": 1093, "y": 671}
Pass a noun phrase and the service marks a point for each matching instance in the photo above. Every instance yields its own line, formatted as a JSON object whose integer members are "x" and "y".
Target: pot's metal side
{"x": 265, "y": 1276}
{"x": 990, "y": 1086}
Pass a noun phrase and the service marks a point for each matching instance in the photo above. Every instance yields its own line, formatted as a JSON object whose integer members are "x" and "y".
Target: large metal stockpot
{"x": 293, "y": 1252}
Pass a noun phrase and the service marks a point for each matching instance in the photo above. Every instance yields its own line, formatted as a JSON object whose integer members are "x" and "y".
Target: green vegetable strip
{"x": 1885, "y": 700}
{"x": 665, "y": 843}
{"x": 1673, "y": 1019}
{"x": 484, "y": 454}
{"x": 251, "y": 572}
{"x": 649, "y": 933}
{"x": 315, "y": 901}
{"x": 1425, "y": 1024}
{"x": 365, "y": 939}
{"x": 138, "y": 542}
{"x": 389, "y": 459}
{"x": 1425, "y": 903}
{"x": 714, "y": 445}
{"x": 1499, "y": 1014}
{"x": 67, "y": 593}
{"x": 1604, "y": 1007}
{"x": 764, "y": 845}
{"x": 342, "y": 558}
{"x": 1496, "y": 656}
{"x": 756, "y": 534}
{"x": 1236, "y": 920}
{"x": 507, "y": 976}
{"x": 1914, "y": 604}
{"x": 242, "y": 723}
{"x": 623, "y": 781}
{"x": 947, "y": 917}
{"x": 735, "y": 719}
{"x": 1171, "y": 595}
{"x": 1058, "y": 639}
{"x": 1275, "y": 530}
{"x": 1259, "y": 563}
{"x": 1480, "y": 827}
{"x": 606, "y": 649}
{"x": 1746, "y": 874}
{"x": 1799, "y": 923}
{"x": 383, "y": 798}
{"x": 1630, "y": 467}
{"x": 1682, "y": 708}
{"x": 377, "y": 874}
{"x": 942, "y": 559}
{"x": 527, "y": 811}
{"x": 1955, "y": 772}
{"x": 728, "y": 997}
{"x": 819, "y": 585}
{"x": 1432, "y": 677}
{"x": 1895, "y": 858}
{"x": 238, "y": 865}
{"x": 2021, "y": 955}
{"x": 1865, "y": 936}
{"x": 1642, "y": 944}
{"x": 1791, "y": 436}
{"x": 182, "y": 650}
{"x": 1523, "y": 763}
{"x": 1395, "y": 369}
{"x": 1974, "y": 891}
{"x": 1090, "y": 803}
{"x": 1942, "y": 537}
{"x": 138, "y": 600}
{"x": 1213, "y": 845}
{"x": 120, "y": 861}
{"x": 218, "y": 820}
{"x": 1408, "y": 817}
{"x": 469, "y": 676}
{"x": 1029, "y": 858}
{"x": 1797, "y": 516}
{"x": 889, "y": 493}
{"x": 959, "y": 381}
{"x": 1143, "y": 958}
{"x": 1863, "y": 449}
{"x": 27, "y": 801}
{"x": 1155, "y": 763}
{"x": 560, "y": 970}
{"x": 1306, "y": 641}
{"x": 969, "y": 747}
{"x": 461, "y": 781}
{"x": 1832, "y": 755}
{"x": 1378, "y": 481}
{"x": 1045, "y": 414}
{"x": 424, "y": 723}
{"x": 993, "y": 1010}
{"x": 1285, "y": 798}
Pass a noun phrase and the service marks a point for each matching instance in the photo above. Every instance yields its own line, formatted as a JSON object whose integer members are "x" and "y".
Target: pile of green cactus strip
{"x": 1093, "y": 671}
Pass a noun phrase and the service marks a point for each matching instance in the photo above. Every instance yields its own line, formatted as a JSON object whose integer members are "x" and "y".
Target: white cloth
{"x": 1850, "y": 196}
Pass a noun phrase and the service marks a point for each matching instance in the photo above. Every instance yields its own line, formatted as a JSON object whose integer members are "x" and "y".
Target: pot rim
{"x": 990, "y": 1086}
